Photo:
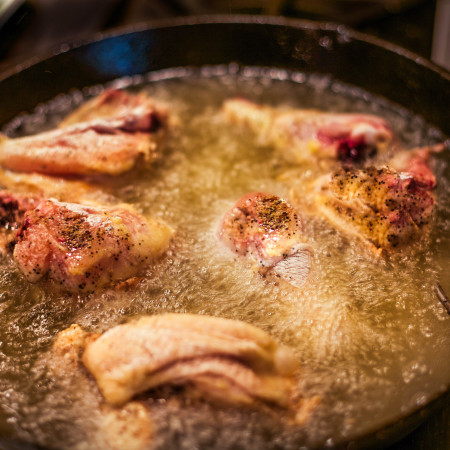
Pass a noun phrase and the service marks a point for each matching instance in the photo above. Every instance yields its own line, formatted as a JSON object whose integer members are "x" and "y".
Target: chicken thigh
{"x": 84, "y": 248}
{"x": 387, "y": 207}
{"x": 300, "y": 135}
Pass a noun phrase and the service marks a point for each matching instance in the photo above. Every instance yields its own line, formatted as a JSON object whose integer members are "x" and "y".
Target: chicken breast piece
{"x": 110, "y": 143}
{"x": 267, "y": 230}
{"x": 225, "y": 359}
{"x": 384, "y": 206}
{"x": 302, "y": 134}
{"x": 84, "y": 248}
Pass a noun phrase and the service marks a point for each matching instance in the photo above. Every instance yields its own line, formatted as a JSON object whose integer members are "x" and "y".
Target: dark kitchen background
{"x": 33, "y": 27}
{"x": 37, "y": 28}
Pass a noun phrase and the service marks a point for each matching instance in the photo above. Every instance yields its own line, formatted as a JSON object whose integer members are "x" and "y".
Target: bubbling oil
{"x": 372, "y": 339}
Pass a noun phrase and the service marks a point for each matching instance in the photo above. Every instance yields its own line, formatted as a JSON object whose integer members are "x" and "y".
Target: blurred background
{"x": 31, "y": 28}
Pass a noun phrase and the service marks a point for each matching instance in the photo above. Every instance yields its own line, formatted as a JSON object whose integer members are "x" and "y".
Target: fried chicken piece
{"x": 267, "y": 230}
{"x": 85, "y": 248}
{"x": 384, "y": 206}
{"x": 225, "y": 359}
{"x": 214, "y": 359}
{"x": 304, "y": 134}
{"x": 112, "y": 142}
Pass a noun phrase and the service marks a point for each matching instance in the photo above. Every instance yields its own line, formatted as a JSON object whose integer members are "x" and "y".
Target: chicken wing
{"x": 84, "y": 248}
{"x": 267, "y": 230}
{"x": 110, "y": 142}
{"x": 304, "y": 134}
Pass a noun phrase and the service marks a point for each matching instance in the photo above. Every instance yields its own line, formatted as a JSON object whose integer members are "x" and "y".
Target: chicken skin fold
{"x": 227, "y": 360}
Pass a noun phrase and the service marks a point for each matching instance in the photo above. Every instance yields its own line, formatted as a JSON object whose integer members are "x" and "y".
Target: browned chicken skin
{"x": 387, "y": 207}
{"x": 266, "y": 229}
{"x": 84, "y": 248}
{"x": 110, "y": 141}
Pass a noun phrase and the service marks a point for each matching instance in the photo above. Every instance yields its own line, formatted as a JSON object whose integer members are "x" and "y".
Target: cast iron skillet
{"x": 372, "y": 64}
{"x": 355, "y": 58}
